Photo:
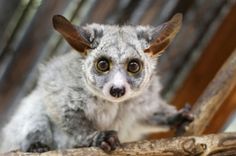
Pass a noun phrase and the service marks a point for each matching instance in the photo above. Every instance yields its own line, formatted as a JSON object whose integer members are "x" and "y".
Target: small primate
{"x": 104, "y": 92}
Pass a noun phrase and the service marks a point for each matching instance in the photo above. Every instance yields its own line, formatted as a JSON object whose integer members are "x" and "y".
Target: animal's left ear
{"x": 161, "y": 36}
{"x": 76, "y": 36}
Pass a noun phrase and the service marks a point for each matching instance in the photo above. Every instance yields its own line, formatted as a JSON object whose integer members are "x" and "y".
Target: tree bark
{"x": 208, "y": 145}
{"x": 214, "y": 96}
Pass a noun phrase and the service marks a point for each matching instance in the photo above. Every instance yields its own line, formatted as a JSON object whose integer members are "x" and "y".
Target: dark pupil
{"x": 133, "y": 67}
{"x": 103, "y": 65}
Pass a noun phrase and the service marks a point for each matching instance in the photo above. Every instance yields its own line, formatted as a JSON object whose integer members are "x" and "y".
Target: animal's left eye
{"x": 134, "y": 66}
{"x": 103, "y": 65}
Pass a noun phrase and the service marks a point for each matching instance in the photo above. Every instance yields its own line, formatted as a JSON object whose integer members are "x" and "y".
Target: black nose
{"x": 117, "y": 92}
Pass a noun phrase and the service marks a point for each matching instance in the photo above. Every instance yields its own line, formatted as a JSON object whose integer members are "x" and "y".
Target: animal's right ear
{"x": 76, "y": 36}
{"x": 160, "y": 37}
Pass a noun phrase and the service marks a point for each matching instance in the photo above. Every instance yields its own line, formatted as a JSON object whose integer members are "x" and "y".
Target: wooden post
{"x": 212, "y": 98}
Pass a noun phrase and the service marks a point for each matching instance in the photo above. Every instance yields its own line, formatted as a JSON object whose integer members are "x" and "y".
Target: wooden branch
{"x": 212, "y": 98}
{"x": 23, "y": 59}
{"x": 208, "y": 145}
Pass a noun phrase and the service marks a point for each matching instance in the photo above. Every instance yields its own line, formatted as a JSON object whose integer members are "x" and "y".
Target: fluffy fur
{"x": 71, "y": 104}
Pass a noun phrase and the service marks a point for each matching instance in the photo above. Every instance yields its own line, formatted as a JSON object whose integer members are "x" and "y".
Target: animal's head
{"x": 118, "y": 62}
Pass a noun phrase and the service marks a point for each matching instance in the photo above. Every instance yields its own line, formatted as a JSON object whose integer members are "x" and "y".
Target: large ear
{"x": 76, "y": 36}
{"x": 162, "y": 35}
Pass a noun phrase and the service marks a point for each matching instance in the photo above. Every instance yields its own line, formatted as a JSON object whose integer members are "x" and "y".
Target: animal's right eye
{"x": 134, "y": 66}
{"x": 103, "y": 65}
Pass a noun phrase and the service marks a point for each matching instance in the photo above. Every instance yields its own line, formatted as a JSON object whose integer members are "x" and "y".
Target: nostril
{"x": 122, "y": 91}
{"x": 117, "y": 92}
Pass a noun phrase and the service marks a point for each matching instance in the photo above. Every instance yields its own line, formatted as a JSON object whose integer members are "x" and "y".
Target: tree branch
{"x": 208, "y": 145}
{"x": 213, "y": 97}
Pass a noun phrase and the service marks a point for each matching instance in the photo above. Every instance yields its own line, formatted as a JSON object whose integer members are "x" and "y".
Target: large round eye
{"x": 134, "y": 66}
{"x": 103, "y": 65}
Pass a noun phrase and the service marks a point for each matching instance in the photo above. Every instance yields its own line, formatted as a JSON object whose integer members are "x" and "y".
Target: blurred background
{"x": 206, "y": 40}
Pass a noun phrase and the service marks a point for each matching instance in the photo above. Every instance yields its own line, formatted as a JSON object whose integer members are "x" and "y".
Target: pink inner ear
{"x": 77, "y": 45}
{"x": 165, "y": 34}
{"x": 158, "y": 47}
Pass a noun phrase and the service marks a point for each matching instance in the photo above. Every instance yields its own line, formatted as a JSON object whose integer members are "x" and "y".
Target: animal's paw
{"x": 38, "y": 148}
{"x": 182, "y": 119}
{"x": 185, "y": 115}
{"x": 107, "y": 140}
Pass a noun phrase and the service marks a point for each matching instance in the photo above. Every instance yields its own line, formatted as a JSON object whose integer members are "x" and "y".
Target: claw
{"x": 108, "y": 141}
{"x": 184, "y": 118}
{"x": 38, "y": 148}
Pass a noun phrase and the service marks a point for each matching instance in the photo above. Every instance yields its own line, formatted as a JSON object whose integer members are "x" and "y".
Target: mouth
{"x": 116, "y": 99}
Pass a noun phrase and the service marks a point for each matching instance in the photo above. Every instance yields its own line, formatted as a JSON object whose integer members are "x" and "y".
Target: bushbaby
{"x": 103, "y": 92}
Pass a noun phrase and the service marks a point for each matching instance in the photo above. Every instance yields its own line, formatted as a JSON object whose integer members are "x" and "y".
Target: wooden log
{"x": 216, "y": 52}
{"x": 7, "y": 10}
{"x": 228, "y": 108}
{"x": 208, "y": 145}
{"x": 195, "y": 32}
{"x": 27, "y": 54}
{"x": 213, "y": 97}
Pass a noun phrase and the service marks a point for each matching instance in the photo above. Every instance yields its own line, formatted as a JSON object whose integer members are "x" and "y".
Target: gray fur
{"x": 69, "y": 107}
